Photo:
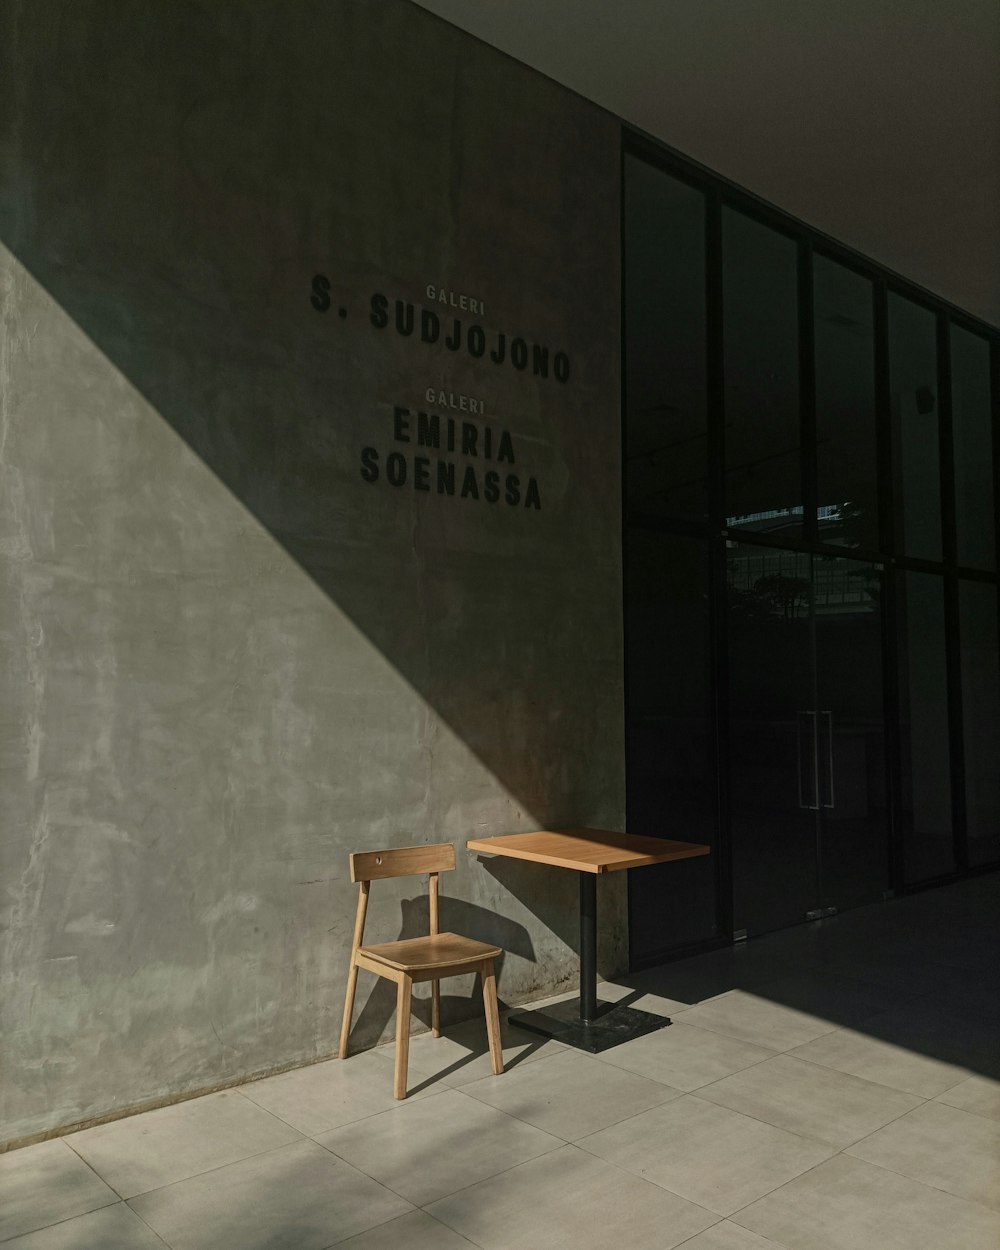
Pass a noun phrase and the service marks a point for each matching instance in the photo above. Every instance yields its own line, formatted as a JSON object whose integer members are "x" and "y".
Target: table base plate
{"x": 612, "y": 1025}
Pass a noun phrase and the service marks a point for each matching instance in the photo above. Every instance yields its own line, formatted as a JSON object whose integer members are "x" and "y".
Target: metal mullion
{"x": 808, "y": 469}
{"x": 719, "y": 665}
{"x": 956, "y": 727}
{"x": 893, "y": 737}
{"x": 718, "y": 617}
{"x": 953, "y": 629}
{"x": 946, "y": 455}
{"x": 715, "y": 361}
{"x": 995, "y": 439}
{"x": 883, "y": 418}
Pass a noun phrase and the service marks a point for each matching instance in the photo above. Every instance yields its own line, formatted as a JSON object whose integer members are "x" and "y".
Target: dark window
{"x": 761, "y": 346}
{"x": 846, "y": 455}
{"x": 923, "y": 729}
{"x": 665, "y": 432}
{"x": 977, "y": 605}
{"x": 915, "y": 454}
{"x": 973, "y": 442}
{"x": 671, "y": 777}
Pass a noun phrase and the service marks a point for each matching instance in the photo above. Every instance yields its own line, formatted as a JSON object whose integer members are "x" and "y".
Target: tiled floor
{"x": 834, "y": 1087}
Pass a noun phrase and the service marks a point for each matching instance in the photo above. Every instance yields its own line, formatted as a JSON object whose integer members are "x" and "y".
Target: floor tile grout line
{"x": 68, "y": 1140}
{"x": 181, "y": 1180}
{"x": 382, "y": 1223}
{"x": 388, "y": 1188}
{"x": 571, "y": 1141}
{"x": 854, "y": 1158}
{"x": 763, "y": 1059}
{"x": 812, "y": 1141}
{"x": 330, "y": 1128}
{"x": 28, "y": 1232}
{"x": 709, "y": 1029}
{"x": 823, "y": 1068}
{"x": 917, "y": 1180}
{"x": 807, "y": 1137}
{"x": 561, "y": 1142}
{"x": 91, "y": 1167}
{"x": 829, "y": 1068}
{"x": 791, "y": 1181}
{"x": 666, "y": 1188}
{"x": 572, "y": 1146}
{"x": 158, "y": 1237}
{"x": 781, "y": 1245}
{"x": 983, "y": 1115}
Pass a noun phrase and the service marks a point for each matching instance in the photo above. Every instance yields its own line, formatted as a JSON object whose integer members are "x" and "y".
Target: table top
{"x": 588, "y": 850}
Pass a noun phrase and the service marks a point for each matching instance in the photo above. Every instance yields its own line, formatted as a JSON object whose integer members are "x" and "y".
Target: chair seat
{"x": 438, "y": 952}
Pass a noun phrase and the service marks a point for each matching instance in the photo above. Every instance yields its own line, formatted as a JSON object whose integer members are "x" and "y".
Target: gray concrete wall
{"x": 228, "y": 659}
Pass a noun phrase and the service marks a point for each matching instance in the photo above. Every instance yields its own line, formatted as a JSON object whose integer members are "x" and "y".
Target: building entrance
{"x": 810, "y": 556}
{"x": 807, "y": 776}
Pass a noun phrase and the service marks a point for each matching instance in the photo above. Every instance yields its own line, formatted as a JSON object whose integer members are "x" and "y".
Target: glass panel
{"x": 854, "y": 808}
{"x": 761, "y": 342}
{"x": 972, "y": 421}
{"x": 773, "y": 791}
{"x": 846, "y": 456}
{"x": 925, "y": 760}
{"x": 667, "y": 465}
{"x": 914, "y": 404}
{"x": 670, "y": 769}
{"x": 977, "y": 605}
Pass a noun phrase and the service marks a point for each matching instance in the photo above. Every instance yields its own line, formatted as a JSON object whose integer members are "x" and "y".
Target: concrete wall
{"x": 227, "y": 658}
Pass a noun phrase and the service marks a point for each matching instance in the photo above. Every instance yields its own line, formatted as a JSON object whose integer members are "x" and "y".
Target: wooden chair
{"x": 417, "y": 959}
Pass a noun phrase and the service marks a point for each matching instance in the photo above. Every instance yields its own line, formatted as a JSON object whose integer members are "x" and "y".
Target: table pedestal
{"x": 584, "y": 1022}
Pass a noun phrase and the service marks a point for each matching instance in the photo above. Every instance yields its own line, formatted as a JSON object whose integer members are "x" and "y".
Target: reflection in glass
{"x": 973, "y": 442}
{"x": 846, "y": 457}
{"x": 670, "y": 772}
{"x": 761, "y": 345}
{"x": 914, "y": 403}
{"x": 665, "y": 421}
{"x": 925, "y": 762}
{"x": 977, "y": 605}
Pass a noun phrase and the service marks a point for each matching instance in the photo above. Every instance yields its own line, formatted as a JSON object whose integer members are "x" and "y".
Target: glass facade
{"x": 916, "y": 462}
{"x": 666, "y": 454}
{"x": 760, "y": 333}
{"x": 924, "y": 748}
{"x": 973, "y": 433}
{"x": 846, "y": 429}
{"x": 811, "y": 608}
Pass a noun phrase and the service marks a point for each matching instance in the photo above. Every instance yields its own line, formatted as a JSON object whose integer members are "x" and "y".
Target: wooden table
{"x": 585, "y": 1022}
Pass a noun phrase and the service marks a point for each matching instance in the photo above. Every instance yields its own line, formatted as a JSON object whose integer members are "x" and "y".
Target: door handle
{"x": 814, "y": 806}
{"x": 829, "y": 758}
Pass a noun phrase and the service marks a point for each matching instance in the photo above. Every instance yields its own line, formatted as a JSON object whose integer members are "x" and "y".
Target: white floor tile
{"x": 298, "y": 1197}
{"x": 805, "y": 1098}
{"x": 429, "y": 1148}
{"x": 848, "y": 1204}
{"x": 157, "y": 1148}
{"x": 706, "y": 1154}
{"x": 570, "y": 1095}
{"x": 111, "y": 1228}
{"x": 942, "y": 1146}
{"x": 568, "y": 1200}
{"x": 45, "y": 1183}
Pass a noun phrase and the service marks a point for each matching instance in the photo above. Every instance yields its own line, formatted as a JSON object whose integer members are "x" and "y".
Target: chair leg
{"x": 402, "y": 1035}
{"x": 435, "y": 1008}
{"x": 492, "y": 1016}
{"x": 345, "y": 1028}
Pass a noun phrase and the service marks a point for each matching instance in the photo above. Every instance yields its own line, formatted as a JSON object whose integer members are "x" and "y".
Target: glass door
{"x": 806, "y": 736}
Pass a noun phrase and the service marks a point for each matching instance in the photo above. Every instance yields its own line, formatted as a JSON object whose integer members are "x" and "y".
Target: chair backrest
{"x": 405, "y": 861}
